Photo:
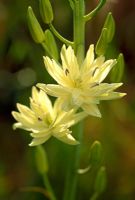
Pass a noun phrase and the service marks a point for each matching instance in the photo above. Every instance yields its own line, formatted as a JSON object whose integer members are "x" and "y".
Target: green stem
{"x": 95, "y": 11}
{"x": 74, "y": 162}
{"x": 48, "y": 187}
{"x": 79, "y": 29}
{"x": 94, "y": 196}
{"x": 79, "y": 46}
{"x": 62, "y": 39}
{"x": 46, "y": 48}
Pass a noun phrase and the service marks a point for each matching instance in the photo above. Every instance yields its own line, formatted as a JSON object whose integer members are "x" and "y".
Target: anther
{"x": 94, "y": 71}
{"x": 39, "y": 119}
{"x": 66, "y": 72}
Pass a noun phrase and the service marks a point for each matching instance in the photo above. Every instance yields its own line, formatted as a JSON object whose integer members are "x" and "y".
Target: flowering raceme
{"x": 81, "y": 85}
{"x": 44, "y": 121}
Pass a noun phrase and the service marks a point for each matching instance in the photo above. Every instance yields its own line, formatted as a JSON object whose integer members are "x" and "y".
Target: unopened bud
{"x": 41, "y": 160}
{"x": 46, "y": 11}
{"x": 100, "y": 181}
{"x": 110, "y": 25}
{"x": 34, "y": 27}
{"x": 51, "y": 44}
{"x": 101, "y": 45}
{"x": 96, "y": 154}
{"x": 118, "y": 69}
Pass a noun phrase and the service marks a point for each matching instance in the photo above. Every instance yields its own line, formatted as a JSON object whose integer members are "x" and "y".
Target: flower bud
{"x": 110, "y": 25}
{"x": 118, "y": 69}
{"x": 41, "y": 160}
{"x": 51, "y": 44}
{"x": 101, "y": 45}
{"x": 34, "y": 26}
{"x": 46, "y": 11}
{"x": 100, "y": 181}
{"x": 95, "y": 154}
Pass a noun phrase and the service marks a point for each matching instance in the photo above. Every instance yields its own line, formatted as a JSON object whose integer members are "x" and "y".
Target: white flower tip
{"x": 123, "y": 94}
{"x": 99, "y": 115}
{"x": 14, "y": 126}
{"x": 13, "y": 113}
{"x": 120, "y": 84}
{"x": 32, "y": 144}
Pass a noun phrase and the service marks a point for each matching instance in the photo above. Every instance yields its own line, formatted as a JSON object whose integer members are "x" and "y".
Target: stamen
{"x": 66, "y": 72}
{"x": 93, "y": 73}
{"x": 94, "y": 84}
{"x": 39, "y": 119}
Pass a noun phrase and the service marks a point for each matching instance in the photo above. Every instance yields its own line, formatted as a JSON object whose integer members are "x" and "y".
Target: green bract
{"x": 46, "y": 11}
{"x": 34, "y": 26}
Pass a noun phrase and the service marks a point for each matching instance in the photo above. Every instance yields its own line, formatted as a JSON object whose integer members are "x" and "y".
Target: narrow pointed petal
{"x": 27, "y": 122}
{"x": 35, "y": 94}
{"x": 103, "y": 71}
{"x": 112, "y": 95}
{"x": 38, "y": 141}
{"x": 88, "y": 59}
{"x": 45, "y": 133}
{"x": 66, "y": 137}
{"x": 91, "y": 109}
{"x": 69, "y": 62}
{"x": 53, "y": 90}
{"x": 18, "y": 125}
{"x": 103, "y": 88}
{"x": 79, "y": 116}
{"x": 45, "y": 102}
{"x": 25, "y": 111}
{"x": 56, "y": 71}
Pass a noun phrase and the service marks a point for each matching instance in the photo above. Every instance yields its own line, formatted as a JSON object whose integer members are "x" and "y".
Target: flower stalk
{"x": 79, "y": 47}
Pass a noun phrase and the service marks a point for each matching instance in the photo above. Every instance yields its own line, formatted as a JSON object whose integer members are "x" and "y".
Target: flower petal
{"x": 45, "y": 133}
{"x": 56, "y": 72}
{"x": 112, "y": 95}
{"x": 91, "y": 109}
{"x": 27, "y": 122}
{"x": 38, "y": 141}
{"x": 53, "y": 90}
{"x": 88, "y": 59}
{"x": 103, "y": 71}
{"x": 69, "y": 62}
{"x": 66, "y": 137}
{"x": 25, "y": 111}
{"x": 103, "y": 88}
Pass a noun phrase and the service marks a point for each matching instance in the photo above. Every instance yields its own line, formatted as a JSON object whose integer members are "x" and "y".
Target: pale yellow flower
{"x": 81, "y": 86}
{"x": 44, "y": 121}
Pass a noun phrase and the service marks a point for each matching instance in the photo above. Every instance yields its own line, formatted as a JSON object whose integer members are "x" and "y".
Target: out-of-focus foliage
{"x": 21, "y": 66}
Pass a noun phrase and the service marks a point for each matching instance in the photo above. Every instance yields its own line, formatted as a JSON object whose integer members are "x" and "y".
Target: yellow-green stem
{"x": 48, "y": 187}
{"x": 79, "y": 47}
{"x": 79, "y": 29}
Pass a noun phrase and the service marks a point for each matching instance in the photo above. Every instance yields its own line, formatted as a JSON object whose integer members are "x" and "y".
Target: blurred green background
{"x": 21, "y": 66}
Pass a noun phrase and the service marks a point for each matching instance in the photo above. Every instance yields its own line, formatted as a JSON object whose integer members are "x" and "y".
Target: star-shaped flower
{"x": 81, "y": 85}
{"x": 44, "y": 121}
